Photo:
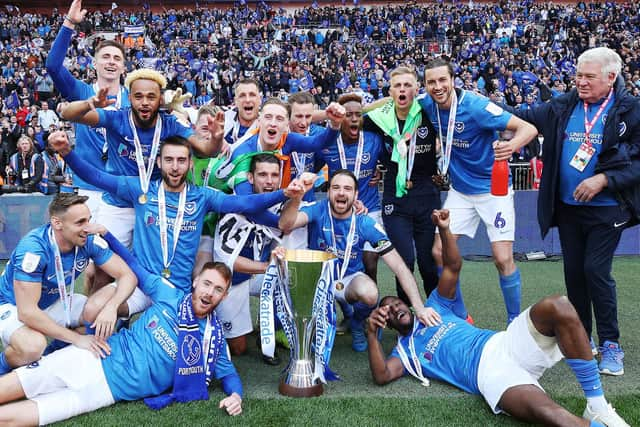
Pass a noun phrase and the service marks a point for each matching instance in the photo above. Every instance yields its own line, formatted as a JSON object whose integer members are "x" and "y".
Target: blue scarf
{"x": 192, "y": 375}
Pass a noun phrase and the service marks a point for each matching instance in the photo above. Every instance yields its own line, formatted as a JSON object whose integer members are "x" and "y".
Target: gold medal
{"x": 142, "y": 199}
{"x": 339, "y": 286}
{"x": 409, "y": 184}
{"x": 166, "y": 273}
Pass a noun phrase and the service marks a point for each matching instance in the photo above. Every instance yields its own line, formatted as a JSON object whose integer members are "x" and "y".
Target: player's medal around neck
{"x": 163, "y": 225}
{"x": 358, "y": 159}
{"x": 347, "y": 249}
{"x": 65, "y": 298}
{"x": 447, "y": 143}
{"x": 144, "y": 173}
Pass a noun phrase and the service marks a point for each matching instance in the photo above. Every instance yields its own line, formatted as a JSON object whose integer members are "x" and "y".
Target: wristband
{"x": 67, "y": 18}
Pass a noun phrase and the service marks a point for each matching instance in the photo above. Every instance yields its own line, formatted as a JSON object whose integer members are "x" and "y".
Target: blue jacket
{"x": 619, "y": 159}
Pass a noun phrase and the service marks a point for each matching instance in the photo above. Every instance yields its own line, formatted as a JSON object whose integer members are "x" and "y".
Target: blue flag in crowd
{"x": 344, "y": 82}
{"x": 306, "y": 82}
{"x": 12, "y": 100}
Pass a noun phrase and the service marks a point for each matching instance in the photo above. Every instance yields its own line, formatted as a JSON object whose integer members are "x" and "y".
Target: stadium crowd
{"x": 522, "y": 53}
{"x": 124, "y": 106}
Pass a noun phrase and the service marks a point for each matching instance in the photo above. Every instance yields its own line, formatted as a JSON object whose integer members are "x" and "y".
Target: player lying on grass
{"x": 177, "y": 341}
{"x": 503, "y": 367}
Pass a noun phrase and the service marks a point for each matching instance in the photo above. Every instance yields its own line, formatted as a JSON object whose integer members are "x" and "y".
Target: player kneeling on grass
{"x": 178, "y": 341}
{"x": 503, "y": 367}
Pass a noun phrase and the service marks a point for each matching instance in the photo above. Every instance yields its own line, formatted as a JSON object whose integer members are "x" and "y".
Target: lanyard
{"x": 206, "y": 342}
{"x": 415, "y": 368}
{"x": 177, "y": 225}
{"x": 348, "y": 244}
{"x": 358, "y": 160}
{"x": 145, "y": 174}
{"x": 588, "y": 125}
{"x": 65, "y": 299}
{"x": 451, "y": 124}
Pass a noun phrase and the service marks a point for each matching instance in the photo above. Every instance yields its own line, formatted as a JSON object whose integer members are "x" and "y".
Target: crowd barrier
{"x": 20, "y": 213}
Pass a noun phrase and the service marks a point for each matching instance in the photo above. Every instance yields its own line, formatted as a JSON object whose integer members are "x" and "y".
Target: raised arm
{"x": 60, "y": 142}
{"x": 291, "y": 218}
{"x": 451, "y": 259}
{"x": 85, "y": 111}
{"x": 215, "y": 144}
{"x": 61, "y": 77}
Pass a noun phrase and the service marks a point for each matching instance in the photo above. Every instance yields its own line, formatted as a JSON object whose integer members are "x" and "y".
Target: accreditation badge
{"x": 582, "y": 157}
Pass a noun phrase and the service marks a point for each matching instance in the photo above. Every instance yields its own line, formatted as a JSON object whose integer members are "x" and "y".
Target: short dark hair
{"x": 301, "y": 98}
{"x": 175, "y": 140}
{"x": 440, "y": 62}
{"x": 346, "y": 172}
{"x": 113, "y": 43}
{"x": 384, "y": 298}
{"x": 63, "y": 201}
{"x": 263, "y": 158}
{"x": 246, "y": 81}
{"x": 220, "y": 267}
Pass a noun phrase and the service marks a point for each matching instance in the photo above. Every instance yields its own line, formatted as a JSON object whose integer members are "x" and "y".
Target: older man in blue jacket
{"x": 590, "y": 187}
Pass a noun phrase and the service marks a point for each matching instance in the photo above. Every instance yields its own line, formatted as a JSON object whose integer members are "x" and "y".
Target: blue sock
{"x": 587, "y": 374}
{"x": 361, "y": 311}
{"x": 4, "y": 366}
{"x": 596, "y": 424}
{"x": 458, "y": 307}
{"x": 510, "y": 286}
{"x": 89, "y": 330}
{"x": 347, "y": 309}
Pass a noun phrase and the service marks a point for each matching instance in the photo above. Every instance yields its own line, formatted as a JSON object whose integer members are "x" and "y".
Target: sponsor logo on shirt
{"x": 123, "y": 151}
{"x": 153, "y": 322}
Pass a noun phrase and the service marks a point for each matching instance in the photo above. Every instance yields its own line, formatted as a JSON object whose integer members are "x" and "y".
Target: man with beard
{"x": 177, "y": 342}
{"x": 134, "y": 136}
{"x": 244, "y": 247}
{"x": 247, "y": 98}
{"x": 335, "y": 227}
{"x": 171, "y": 214}
{"x": 468, "y": 125}
{"x": 503, "y": 367}
{"x": 358, "y": 151}
{"x": 34, "y": 303}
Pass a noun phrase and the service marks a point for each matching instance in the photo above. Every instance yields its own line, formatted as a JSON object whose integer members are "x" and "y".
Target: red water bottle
{"x": 500, "y": 178}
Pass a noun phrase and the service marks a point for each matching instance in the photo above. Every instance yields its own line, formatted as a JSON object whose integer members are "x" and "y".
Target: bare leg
{"x": 26, "y": 346}
{"x": 10, "y": 388}
{"x": 503, "y": 257}
{"x": 555, "y": 317}
{"x": 97, "y": 301}
{"x": 529, "y": 403}
{"x": 370, "y": 261}
{"x": 237, "y": 345}
{"x": 23, "y": 413}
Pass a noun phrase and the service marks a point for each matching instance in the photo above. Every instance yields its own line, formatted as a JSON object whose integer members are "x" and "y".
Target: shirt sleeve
{"x": 226, "y": 372}
{"x": 109, "y": 183}
{"x": 69, "y": 87}
{"x": 243, "y": 204}
{"x": 374, "y": 234}
{"x": 490, "y": 116}
{"x": 99, "y": 250}
{"x": 30, "y": 262}
{"x": 310, "y": 144}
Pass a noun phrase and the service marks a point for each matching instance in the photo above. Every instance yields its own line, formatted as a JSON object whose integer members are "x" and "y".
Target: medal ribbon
{"x": 177, "y": 225}
{"x": 414, "y": 369}
{"x": 65, "y": 299}
{"x": 451, "y": 124}
{"x": 145, "y": 174}
{"x": 588, "y": 125}
{"x": 348, "y": 244}
{"x": 358, "y": 160}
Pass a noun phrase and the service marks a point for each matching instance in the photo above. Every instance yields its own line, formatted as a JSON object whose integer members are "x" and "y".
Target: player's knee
{"x": 30, "y": 346}
{"x": 95, "y": 303}
{"x": 560, "y": 308}
{"x": 504, "y": 263}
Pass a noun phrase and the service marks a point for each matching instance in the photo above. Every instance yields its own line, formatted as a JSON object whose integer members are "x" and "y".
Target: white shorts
{"x": 9, "y": 322}
{"x": 119, "y": 221}
{"x": 138, "y": 302}
{"x": 377, "y": 217}
{"x": 95, "y": 199}
{"x": 234, "y": 310}
{"x": 517, "y": 356}
{"x": 62, "y": 392}
{"x": 497, "y": 213}
{"x": 346, "y": 281}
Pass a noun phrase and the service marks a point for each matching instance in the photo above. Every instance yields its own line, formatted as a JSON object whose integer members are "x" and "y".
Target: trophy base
{"x": 297, "y": 381}
{"x": 291, "y": 391}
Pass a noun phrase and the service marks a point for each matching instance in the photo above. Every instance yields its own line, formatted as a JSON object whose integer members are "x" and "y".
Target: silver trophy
{"x": 294, "y": 304}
